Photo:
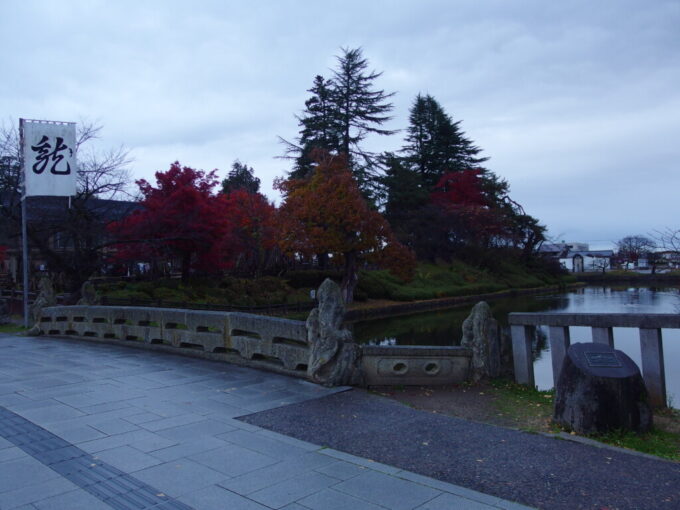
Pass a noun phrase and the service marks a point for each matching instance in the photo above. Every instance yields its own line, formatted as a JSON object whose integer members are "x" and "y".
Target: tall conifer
{"x": 435, "y": 144}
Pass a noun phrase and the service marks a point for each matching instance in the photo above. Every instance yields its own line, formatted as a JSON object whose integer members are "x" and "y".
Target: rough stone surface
{"x": 480, "y": 334}
{"x": 88, "y": 295}
{"x": 334, "y": 357}
{"x": 592, "y": 398}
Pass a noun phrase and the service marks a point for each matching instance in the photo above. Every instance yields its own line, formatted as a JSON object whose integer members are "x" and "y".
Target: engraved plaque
{"x": 602, "y": 359}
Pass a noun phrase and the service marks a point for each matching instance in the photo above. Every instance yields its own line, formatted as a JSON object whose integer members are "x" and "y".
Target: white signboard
{"x": 49, "y": 150}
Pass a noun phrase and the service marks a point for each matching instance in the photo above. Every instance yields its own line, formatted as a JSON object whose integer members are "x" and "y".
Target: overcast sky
{"x": 577, "y": 103}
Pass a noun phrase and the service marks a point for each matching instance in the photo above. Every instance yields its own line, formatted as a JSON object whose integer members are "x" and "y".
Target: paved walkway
{"x": 95, "y": 426}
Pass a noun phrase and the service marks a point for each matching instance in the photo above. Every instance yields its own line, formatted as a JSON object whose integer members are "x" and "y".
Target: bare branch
{"x": 106, "y": 174}
{"x": 87, "y": 130}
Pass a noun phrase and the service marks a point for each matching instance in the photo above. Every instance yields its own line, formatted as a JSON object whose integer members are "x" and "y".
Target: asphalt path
{"x": 532, "y": 469}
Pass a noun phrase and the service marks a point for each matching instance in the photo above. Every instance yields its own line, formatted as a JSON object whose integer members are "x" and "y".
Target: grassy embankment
{"x": 431, "y": 281}
{"x": 14, "y": 326}
{"x": 532, "y": 410}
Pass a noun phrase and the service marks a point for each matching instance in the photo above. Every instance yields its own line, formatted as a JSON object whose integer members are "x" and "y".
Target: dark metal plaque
{"x": 602, "y": 359}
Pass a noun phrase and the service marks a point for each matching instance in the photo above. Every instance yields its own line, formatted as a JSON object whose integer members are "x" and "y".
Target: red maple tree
{"x": 469, "y": 215}
{"x": 255, "y": 232}
{"x": 180, "y": 218}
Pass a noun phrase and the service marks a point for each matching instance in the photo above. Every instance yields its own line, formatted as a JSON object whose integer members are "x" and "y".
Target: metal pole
{"x": 24, "y": 235}
{"x": 24, "y": 249}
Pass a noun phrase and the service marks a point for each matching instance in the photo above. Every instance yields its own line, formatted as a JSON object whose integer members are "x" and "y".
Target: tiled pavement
{"x": 96, "y": 426}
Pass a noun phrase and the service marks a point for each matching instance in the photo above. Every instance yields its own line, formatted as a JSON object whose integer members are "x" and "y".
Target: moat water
{"x": 444, "y": 327}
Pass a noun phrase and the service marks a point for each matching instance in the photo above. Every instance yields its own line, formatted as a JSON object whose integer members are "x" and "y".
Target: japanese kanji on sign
{"x": 49, "y": 152}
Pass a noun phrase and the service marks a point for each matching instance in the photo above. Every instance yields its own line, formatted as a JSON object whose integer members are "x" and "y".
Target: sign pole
{"x": 24, "y": 234}
{"x": 24, "y": 240}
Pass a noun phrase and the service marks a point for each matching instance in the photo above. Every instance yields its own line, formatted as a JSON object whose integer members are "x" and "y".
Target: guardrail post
{"x": 603, "y": 336}
{"x": 559, "y": 343}
{"x": 522, "y": 337}
{"x": 652, "y": 365}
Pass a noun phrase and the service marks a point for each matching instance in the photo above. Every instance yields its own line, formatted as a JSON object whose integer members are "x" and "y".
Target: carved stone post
{"x": 89, "y": 295}
{"x": 480, "y": 333}
{"x": 334, "y": 358}
{"x": 46, "y": 297}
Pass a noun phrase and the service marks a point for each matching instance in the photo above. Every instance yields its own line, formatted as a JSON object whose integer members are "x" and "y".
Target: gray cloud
{"x": 575, "y": 102}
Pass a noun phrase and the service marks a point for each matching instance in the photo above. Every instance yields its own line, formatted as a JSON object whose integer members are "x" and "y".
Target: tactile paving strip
{"x": 112, "y": 486}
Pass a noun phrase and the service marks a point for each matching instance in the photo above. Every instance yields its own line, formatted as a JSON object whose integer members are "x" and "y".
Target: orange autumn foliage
{"x": 327, "y": 214}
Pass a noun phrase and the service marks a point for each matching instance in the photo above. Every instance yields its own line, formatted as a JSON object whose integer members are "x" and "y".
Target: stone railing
{"x": 651, "y": 345}
{"x": 256, "y": 340}
{"x": 271, "y": 340}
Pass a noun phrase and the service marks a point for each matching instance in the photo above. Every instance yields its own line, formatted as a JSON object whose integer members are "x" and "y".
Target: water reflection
{"x": 444, "y": 327}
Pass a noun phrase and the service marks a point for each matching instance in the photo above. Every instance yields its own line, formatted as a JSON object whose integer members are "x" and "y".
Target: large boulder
{"x": 600, "y": 389}
{"x": 481, "y": 335}
{"x": 334, "y": 356}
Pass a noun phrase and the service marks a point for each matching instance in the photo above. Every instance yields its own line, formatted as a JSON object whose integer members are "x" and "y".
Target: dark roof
{"x": 591, "y": 253}
{"x": 49, "y": 208}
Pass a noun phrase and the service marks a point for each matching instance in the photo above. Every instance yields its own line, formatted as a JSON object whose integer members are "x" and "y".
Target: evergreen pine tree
{"x": 241, "y": 177}
{"x": 338, "y": 116}
{"x": 319, "y": 128}
{"x": 360, "y": 110}
{"x": 435, "y": 144}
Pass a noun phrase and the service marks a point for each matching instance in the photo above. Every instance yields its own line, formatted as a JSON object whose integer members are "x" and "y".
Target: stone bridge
{"x": 260, "y": 341}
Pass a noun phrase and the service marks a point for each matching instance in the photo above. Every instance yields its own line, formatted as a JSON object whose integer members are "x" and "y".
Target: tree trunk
{"x": 351, "y": 276}
{"x": 186, "y": 267}
{"x": 322, "y": 260}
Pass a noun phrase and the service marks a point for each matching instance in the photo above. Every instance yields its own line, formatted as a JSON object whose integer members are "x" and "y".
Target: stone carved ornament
{"x": 89, "y": 295}
{"x": 481, "y": 334}
{"x": 46, "y": 297}
{"x": 334, "y": 356}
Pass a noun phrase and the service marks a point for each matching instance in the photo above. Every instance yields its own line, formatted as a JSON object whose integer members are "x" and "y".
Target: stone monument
{"x": 334, "y": 358}
{"x": 600, "y": 389}
{"x": 481, "y": 335}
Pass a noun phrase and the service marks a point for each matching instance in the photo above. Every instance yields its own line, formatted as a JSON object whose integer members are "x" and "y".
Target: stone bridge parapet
{"x": 247, "y": 339}
{"x": 270, "y": 340}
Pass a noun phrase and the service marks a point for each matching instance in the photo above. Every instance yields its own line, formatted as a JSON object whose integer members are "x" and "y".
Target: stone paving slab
{"x": 101, "y": 426}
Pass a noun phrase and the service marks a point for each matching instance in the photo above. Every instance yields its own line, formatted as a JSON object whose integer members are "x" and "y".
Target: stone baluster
{"x": 653, "y": 370}
{"x": 522, "y": 337}
{"x": 603, "y": 336}
{"x": 559, "y": 344}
